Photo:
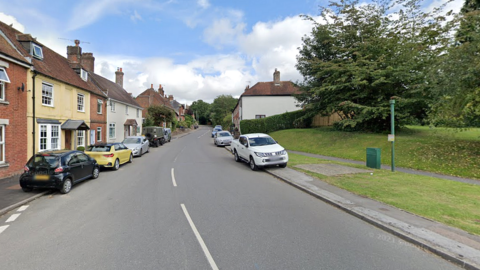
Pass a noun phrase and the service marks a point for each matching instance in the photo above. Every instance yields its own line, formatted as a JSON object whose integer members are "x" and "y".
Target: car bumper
{"x": 136, "y": 153}
{"x": 270, "y": 161}
{"x": 224, "y": 142}
{"x": 30, "y": 181}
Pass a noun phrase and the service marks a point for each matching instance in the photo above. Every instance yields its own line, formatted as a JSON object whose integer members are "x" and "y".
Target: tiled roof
{"x": 130, "y": 122}
{"x": 113, "y": 90}
{"x": 7, "y": 49}
{"x": 176, "y": 105}
{"x": 155, "y": 98}
{"x": 52, "y": 65}
{"x": 286, "y": 88}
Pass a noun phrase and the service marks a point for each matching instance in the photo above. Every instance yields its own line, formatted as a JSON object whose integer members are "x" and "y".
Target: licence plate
{"x": 42, "y": 177}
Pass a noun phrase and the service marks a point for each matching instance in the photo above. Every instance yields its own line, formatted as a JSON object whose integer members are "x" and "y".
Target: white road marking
{"x": 202, "y": 135}
{"x": 3, "y": 228}
{"x": 23, "y": 208}
{"x": 175, "y": 160}
{"x": 200, "y": 240}
{"x": 173, "y": 179}
{"x": 13, "y": 217}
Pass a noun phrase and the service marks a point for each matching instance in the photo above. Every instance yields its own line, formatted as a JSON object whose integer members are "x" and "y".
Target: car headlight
{"x": 283, "y": 152}
{"x": 258, "y": 154}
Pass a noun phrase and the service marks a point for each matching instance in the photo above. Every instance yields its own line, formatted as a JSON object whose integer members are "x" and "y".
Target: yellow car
{"x": 110, "y": 154}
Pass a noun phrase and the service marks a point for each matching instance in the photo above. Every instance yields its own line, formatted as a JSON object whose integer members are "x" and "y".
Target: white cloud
{"x": 12, "y": 20}
{"x": 136, "y": 17}
{"x": 203, "y": 3}
{"x": 223, "y": 32}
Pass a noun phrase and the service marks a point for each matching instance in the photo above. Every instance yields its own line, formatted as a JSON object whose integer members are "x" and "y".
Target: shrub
{"x": 81, "y": 148}
{"x": 288, "y": 120}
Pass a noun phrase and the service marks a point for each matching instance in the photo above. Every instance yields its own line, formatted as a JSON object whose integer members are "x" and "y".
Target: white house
{"x": 266, "y": 99}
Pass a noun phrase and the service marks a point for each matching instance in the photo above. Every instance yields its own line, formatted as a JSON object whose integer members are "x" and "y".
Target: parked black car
{"x": 58, "y": 169}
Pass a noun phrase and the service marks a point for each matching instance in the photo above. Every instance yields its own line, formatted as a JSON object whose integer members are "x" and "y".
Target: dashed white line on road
{"x": 173, "y": 179}
{"x": 13, "y": 217}
{"x": 3, "y": 228}
{"x": 200, "y": 240}
{"x": 23, "y": 208}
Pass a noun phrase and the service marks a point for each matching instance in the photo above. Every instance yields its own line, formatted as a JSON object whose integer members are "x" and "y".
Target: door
{"x": 68, "y": 139}
{"x": 85, "y": 164}
{"x": 75, "y": 166}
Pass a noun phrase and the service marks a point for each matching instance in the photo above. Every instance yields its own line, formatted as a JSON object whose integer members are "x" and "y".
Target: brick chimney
{"x": 276, "y": 77}
{"x": 160, "y": 90}
{"x": 88, "y": 61}
{"x": 170, "y": 98}
{"x": 74, "y": 53}
{"x": 119, "y": 76}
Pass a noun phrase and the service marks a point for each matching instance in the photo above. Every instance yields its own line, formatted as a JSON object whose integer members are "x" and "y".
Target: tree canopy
{"x": 222, "y": 107}
{"x": 201, "y": 110}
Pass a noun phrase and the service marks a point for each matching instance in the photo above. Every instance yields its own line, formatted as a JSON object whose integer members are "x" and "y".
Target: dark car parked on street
{"x": 58, "y": 169}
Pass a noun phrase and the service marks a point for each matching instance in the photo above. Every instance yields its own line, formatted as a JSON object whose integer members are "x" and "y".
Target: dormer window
{"x": 37, "y": 51}
{"x": 84, "y": 74}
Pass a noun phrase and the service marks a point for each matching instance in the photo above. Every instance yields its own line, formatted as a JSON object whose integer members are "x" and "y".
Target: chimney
{"x": 170, "y": 98}
{"x": 119, "y": 76}
{"x": 74, "y": 53}
{"x": 160, "y": 90}
{"x": 88, "y": 61}
{"x": 276, "y": 77}
{"x": 151, "y": 86}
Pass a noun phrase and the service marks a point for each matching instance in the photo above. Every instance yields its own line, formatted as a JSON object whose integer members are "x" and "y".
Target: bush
{"x": 288, "y": 120}
{"x": 81, "y": 148}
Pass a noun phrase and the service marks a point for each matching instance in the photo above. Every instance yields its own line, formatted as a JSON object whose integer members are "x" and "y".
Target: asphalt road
{"x": 188, "y": 205}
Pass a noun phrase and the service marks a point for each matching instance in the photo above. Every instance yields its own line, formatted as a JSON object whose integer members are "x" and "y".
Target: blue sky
{"x": 197, "y": 49}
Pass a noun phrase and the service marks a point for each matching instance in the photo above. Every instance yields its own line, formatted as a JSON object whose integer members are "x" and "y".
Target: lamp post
{"x": 392, "y": 122}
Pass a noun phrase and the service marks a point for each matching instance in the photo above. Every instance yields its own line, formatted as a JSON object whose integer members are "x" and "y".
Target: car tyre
{"x": 96, "y": 172}
{"x": 237, "y": 158}
{"x": 66, "y": 186}
{"x": 130, "y": 159}
{"x": 162, "y": 142}
{"x": 252, "y": 164}
{"x": 27, "y": 189}
{"x": 157, "y": 143}
{"x": 116, "y": 166}
{"x": 282, "y": 165}
{"x": 141, "y": 152}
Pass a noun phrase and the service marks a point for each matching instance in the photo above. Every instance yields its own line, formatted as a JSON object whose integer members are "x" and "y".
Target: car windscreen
{"x": 223, "y": 134}
{"x": 260, "y": 141}
{"x": 217, "y": 129}
{"x": 132, "y": 141}
{"x": 99, "y": 148}
{"x": 43, "y": 161}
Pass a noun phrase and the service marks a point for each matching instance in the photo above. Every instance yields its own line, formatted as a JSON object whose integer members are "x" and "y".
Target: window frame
{"x": 80, "y": 138}
{"x": 259, "y": 116}
{"x": 110, "y": 126}
{"x": 99, "y": 134}
{"x": 99, "y": 106}
{"x": 49, "y": 132}
{"x": 82, "y": 96}
{"x": 51, "y": 98}
{"x": 138, "y": 113}
{"x": 83, "y": 74}
{"x": 126, "y": 109}
{"x": 2, "y": 144}
{"x": 35, "y": 52}
{"x": 112, "y": 106}
{"x": 2, "y": 91}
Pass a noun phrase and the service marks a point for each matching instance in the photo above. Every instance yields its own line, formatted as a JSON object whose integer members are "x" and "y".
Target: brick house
{"x": 266, "y": 99}
{"x": 151, "y": 97}
{"x": 178, "y": 107}
{"x": 13, "y": 109}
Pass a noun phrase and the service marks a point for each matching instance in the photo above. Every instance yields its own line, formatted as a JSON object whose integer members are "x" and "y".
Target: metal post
{"x": 392, "y": 115}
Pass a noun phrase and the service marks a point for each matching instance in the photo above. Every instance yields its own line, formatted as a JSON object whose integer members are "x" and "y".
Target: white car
{"x": 222, "y": 138}
{"x": 139, "y": 145}
{"x": 259, "y": 150}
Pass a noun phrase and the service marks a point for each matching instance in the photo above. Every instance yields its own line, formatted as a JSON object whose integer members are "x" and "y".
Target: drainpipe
{"x": 33, "y": 107}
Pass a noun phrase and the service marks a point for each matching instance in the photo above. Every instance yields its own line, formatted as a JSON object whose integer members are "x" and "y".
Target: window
{"x": 138, "y": 112}
{"x": 49, "y": 137}
{"x": 112, "y": 106}
{"x": 83, "y": 75}
{"x": 2, "y": 144}
{"x": 258, "y": 116}
{"x": 99, "y": 134}
{"x": 126, "y": 109}
{"x": 111, "y": 131}
{"x": 37, "y": 52}
{"x": 80, "y": 137}
{"x": 3, "y": 79}
{"x": 99, "y": 106}
{"x": 80, "y": 102}
{"x": 2, "y": 91}
{"x": 47, "y": 94}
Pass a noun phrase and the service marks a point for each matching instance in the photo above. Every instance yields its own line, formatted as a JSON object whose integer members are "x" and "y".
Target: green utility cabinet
{"x": 373, "y": 158}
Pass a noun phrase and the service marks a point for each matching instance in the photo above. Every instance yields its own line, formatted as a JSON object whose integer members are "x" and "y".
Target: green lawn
{"x": 449, "y": 202}
{"x": 440, "y": 150}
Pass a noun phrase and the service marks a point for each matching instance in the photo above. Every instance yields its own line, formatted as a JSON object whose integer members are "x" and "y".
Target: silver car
{"x": 222, "y": 138}
{"x": 139, "y": 145}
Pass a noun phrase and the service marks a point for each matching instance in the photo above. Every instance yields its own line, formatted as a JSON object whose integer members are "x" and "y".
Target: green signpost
{"x": 392, "y": 135}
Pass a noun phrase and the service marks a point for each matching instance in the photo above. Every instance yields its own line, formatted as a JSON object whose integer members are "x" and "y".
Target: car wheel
{"x": 95, "y": 173}
{"x": 116, "y": 166}
{"x": 252, "y": 164}
{"x": 66, "y": 186}
{"x": 282, "y": 165}
{"x": 237, "y": 158}
{"x": 130, "y": 159}
{"x": 148, "y": 150}
{"x": 162, "y": 142}
{"x": 141, "y": 152}
{"x": 157, "y": 143}
{"x": 27, "y": 189}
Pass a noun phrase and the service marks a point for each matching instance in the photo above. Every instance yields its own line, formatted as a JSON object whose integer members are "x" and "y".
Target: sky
{"x": 196, "y": 49}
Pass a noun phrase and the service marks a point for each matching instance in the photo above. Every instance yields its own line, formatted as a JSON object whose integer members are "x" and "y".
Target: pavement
{"x": 450, "y": 243}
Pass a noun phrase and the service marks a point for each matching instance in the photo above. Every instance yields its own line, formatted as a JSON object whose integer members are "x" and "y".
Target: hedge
{"x": 288, "y": 120}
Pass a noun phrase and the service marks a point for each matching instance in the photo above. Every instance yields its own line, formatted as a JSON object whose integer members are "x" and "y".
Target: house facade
{"x": 13, "y": 109}
{"x": 151, "y": 97}
{"x": 178, "y": 107}
{"x": 266, "y": 99}
{"x": 58, "y": 99}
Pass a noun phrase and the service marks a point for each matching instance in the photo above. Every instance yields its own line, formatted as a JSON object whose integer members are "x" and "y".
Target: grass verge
{"x": 453, "y": 203}
{"x": 438, "y": 150}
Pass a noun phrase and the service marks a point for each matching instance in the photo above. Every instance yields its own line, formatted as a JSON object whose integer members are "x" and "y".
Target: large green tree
{"x": 362, "y": 55}
{"x": 222, "y": 106}
{"x": 201, "y": 109}
{"x": 160, "y": 114}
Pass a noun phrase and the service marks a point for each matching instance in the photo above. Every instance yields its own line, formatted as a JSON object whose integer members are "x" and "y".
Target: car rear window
{"x": 43, "y": 161}
{"x": 99, "y": 148}
{"x": 223, "y": 134}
